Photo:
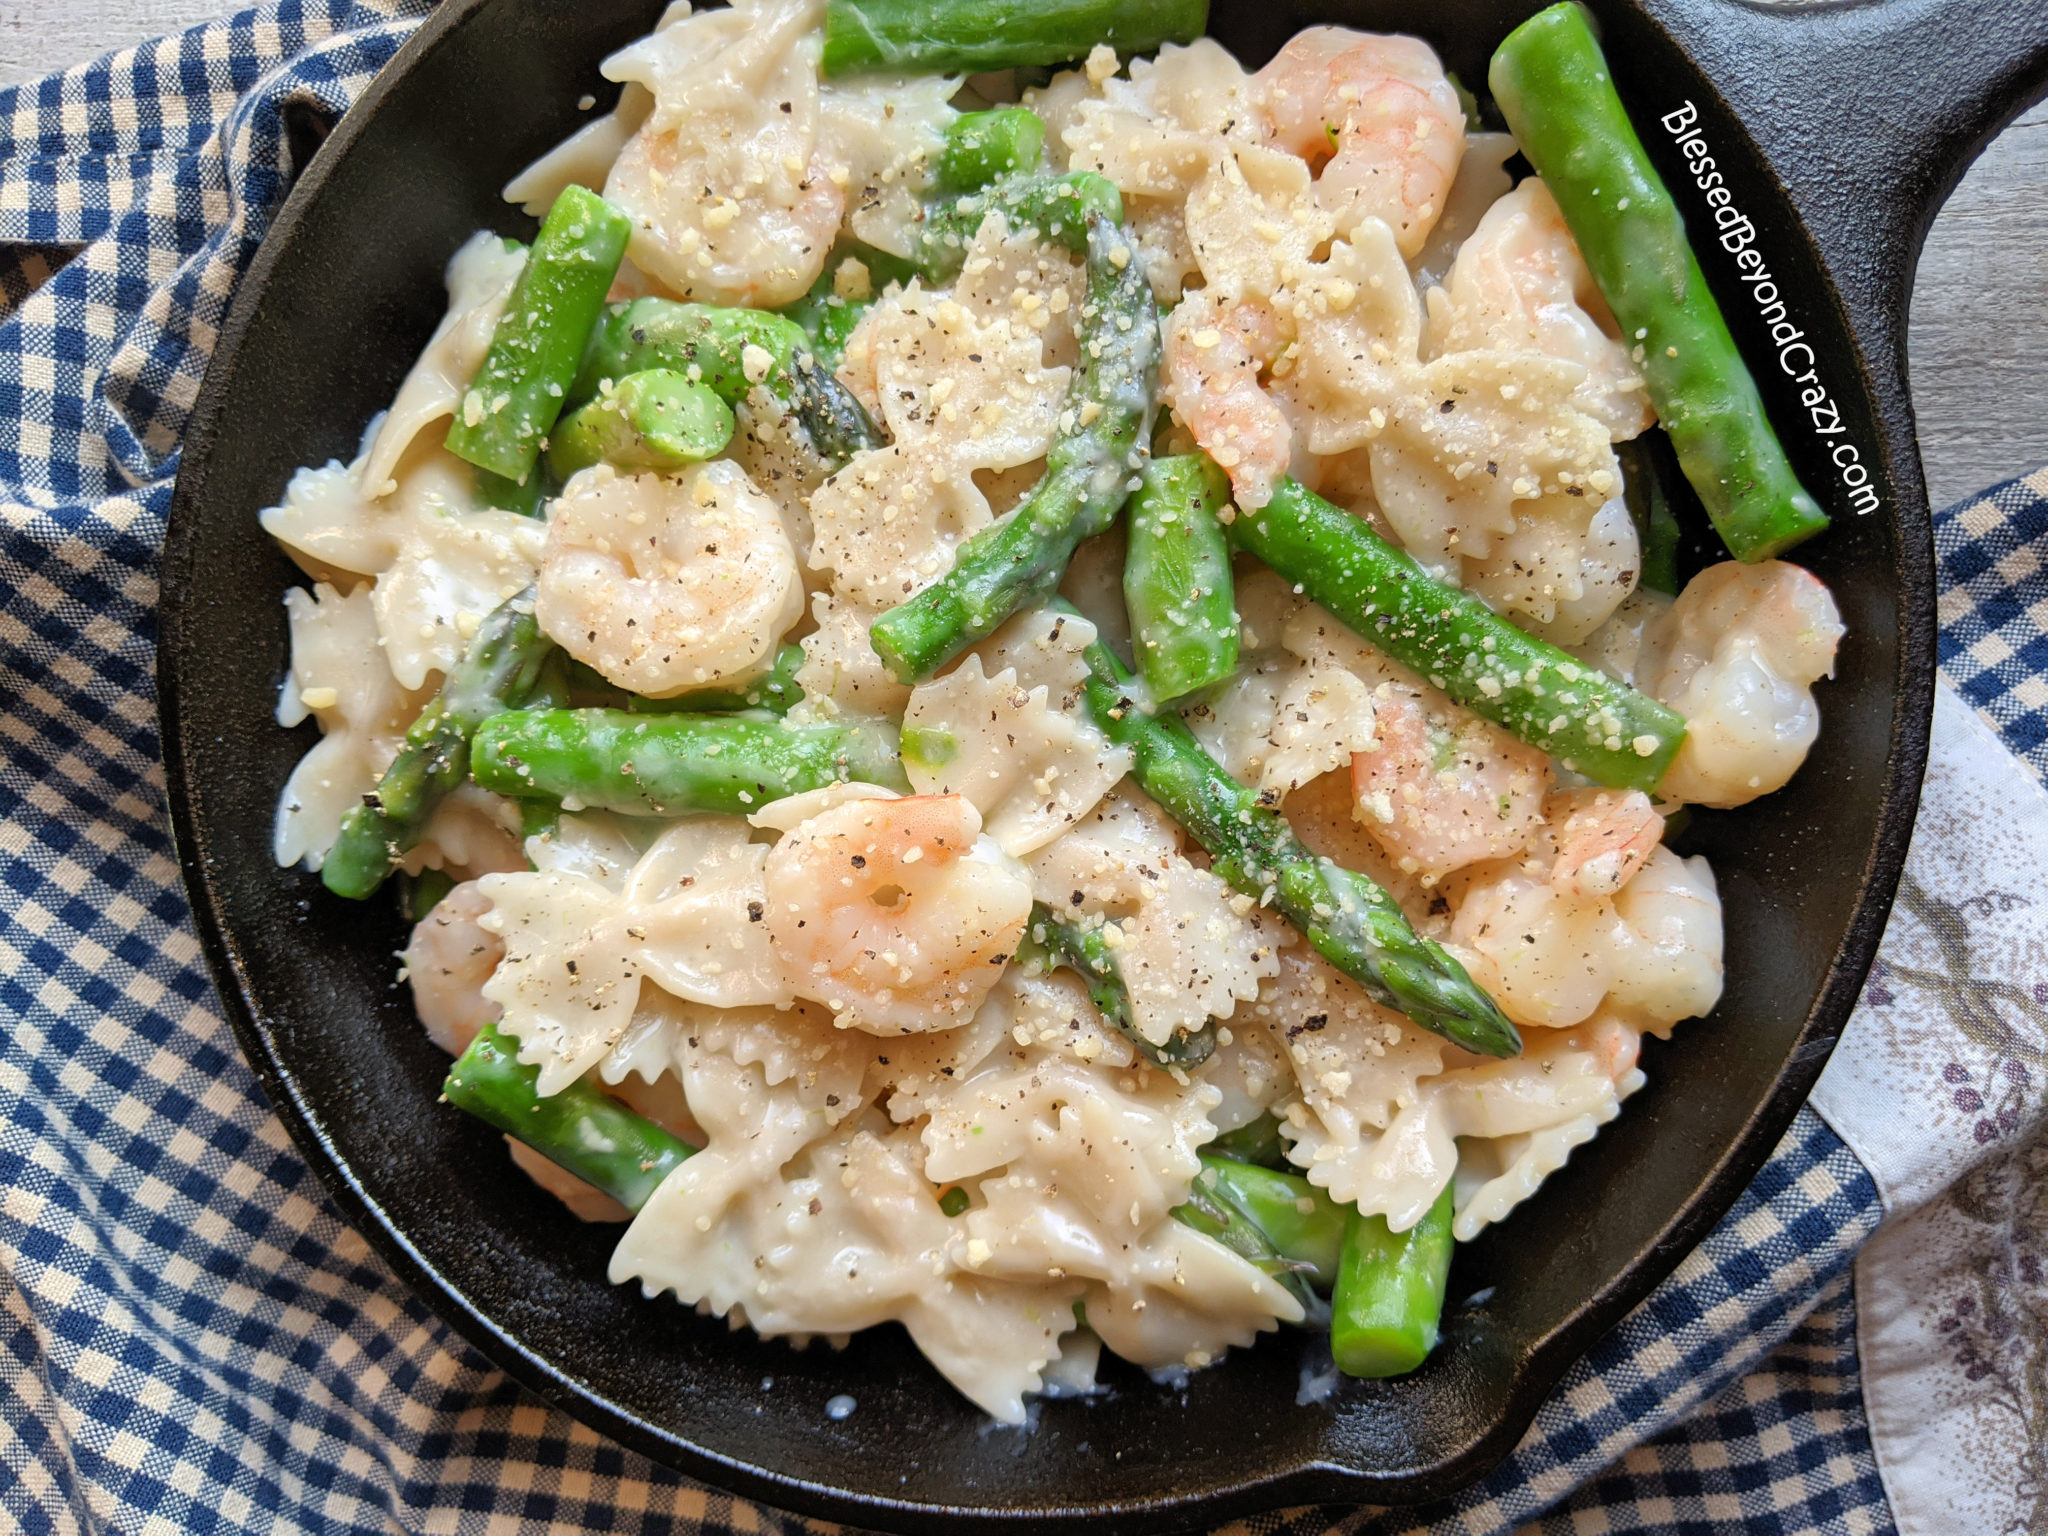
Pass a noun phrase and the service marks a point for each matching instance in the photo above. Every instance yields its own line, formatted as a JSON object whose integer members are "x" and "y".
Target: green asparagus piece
{"x": 1257, "y": 1141}
{"x": 1390, "y": 1292}
{"x": 954, "y": 1202}
{"x": 964, "y": 37}
{"x": 526, "y": 497}
{"x": 1345, "y": 915}
{"x": 1589, "y": 722}
{"x": 1060, "y": 208}
{"x": 1552, "y": 83}
{"x": 1649, "y": 505}
{"x": 674, "y": 765}
{"x": 1049, "y": 943}
{"x": 538, "y": 818}
{"x": 507, "y": 664}
{"x": 1177, "y": 584}
{"x": 582, "y": 1129}
{"x": 982, "y": 146}
{"x": 774, "y": 690}
{"x": 730, "y": 352}
{"x": 1300, "y": 1221}
{"x": 424, "y": 891}
{"x": 1017, "y": 561}
{"x": 518, "y": 392}
{"x": 655, "y": 419}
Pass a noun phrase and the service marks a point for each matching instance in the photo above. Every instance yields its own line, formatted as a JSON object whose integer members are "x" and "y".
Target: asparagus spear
{"x": 1060, "y": 208}
{"x": 1587, "y": 721}
{"x": 981, "y": 146}
{"x": 1352, "y": 923}
{"x": 526, "y": 497}
{"x": 730, "y": 352}
{"x": 1018, "y": 560}
{"x": 581, "y": 1128}
{"x": 1649, "y": 505}
{"x": 424, "y": 891}
{"x": 1390, "y": 1292}
{"x": 654, "y": 419}
{"x": 518, "y": 392}
{"x": 956, "y": 37}
{"x": 1553, "y": 86}
{"x": 1177, "y": 583}
{"x": 1290, "y": 1214}
{"x": 1257, "y": 1142}
{"x": 1049, "y": 943}
{"x": 508, "y": 665}
{"x": 674, "y": 765}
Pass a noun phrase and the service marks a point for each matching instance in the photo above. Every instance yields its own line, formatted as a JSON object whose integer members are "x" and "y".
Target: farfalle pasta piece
{"x": 1323, "y": 717}
{"x": 449, "y": 572}
{"x": 1192, "y": 951}
{"x": 841, "y": 674}
{"x": 1355, "y": 1063}
{"x": 1123, "y": 1146}
{"x": 1254, "y": 226}
{"x": 1399, "y": 1172}
{"x": 964, "y": 390}
{"x": 1487, "y": 461}
{"x": 1189, "y": 949}
{"x": 888, "y": 524}
{"x": 339, "y": 677}
{"x": 1156, "y": 135}
{"x": 331, "y": 528}
{"x": 1182, "y": 1299}
{"x": 1024, "y": 751}
{"x": 879, "y": 135}
{"x": 849, "y": 1235}
{"x": 689, "y": 919}
{"x": 1076, "y": 1168}
{"x": 480, "y": 279}
{"x": 358, "y": 518}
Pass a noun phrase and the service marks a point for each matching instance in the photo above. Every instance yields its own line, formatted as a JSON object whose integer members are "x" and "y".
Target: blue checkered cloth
{"x": 195, "y": 1339}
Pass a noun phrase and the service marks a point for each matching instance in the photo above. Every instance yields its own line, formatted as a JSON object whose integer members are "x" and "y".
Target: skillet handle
{"x": 1869, "y": 113}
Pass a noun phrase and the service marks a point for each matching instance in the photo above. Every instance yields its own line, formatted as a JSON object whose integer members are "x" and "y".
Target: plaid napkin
{"x": 195, "y": 1340}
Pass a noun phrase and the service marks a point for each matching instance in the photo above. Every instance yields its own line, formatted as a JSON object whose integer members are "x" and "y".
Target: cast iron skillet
{"x": 1840, "y": 129}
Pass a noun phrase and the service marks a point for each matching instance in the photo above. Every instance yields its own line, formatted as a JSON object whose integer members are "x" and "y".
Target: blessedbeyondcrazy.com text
{"x": 1737, "y": 236}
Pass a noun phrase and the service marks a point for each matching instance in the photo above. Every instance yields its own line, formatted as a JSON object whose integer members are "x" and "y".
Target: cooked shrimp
{"x": 1737, "y": 655}
{"x": 1211, "y": 379}
{"x": 1443, "y": 788}
{"x": 1519, "y": 284}
{"x": 448, "y": 961}
{"x": 1381, "y": 114}
{"x": 896, "y": 914}
{"x": 1603, "y": 837}
{"x": 732, "y": 197}
{"x": 1547, "y": 957}
{"x": 663, "y": 583}
{"x": 1616, "y": 1044}
{"x": 1668, "y": 965}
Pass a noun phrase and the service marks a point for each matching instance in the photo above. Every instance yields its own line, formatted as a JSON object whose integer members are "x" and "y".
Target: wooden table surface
{"x": 1979, "y": 330}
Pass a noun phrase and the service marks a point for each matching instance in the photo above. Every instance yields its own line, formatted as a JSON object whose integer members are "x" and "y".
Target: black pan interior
{"x": 343, "y": 296}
